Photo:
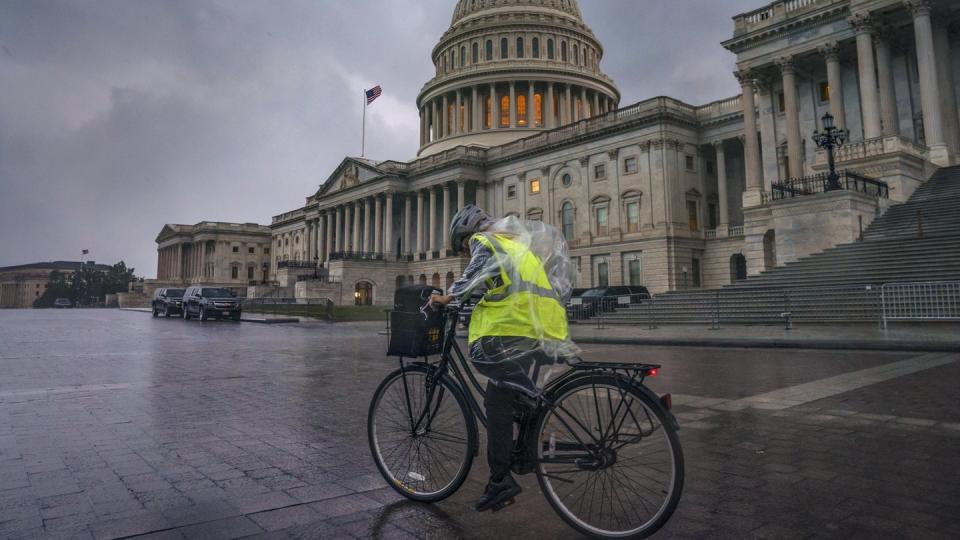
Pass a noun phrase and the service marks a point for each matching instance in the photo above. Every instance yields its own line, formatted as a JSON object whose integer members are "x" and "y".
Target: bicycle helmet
{"x": 468, "y": 220}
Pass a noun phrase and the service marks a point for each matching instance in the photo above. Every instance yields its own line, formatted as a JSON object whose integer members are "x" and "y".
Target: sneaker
{"x": 498, "y": 494}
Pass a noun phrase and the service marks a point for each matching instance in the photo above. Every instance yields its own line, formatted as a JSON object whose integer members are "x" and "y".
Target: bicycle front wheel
{"x": 422, "y": 434}
{"x": 609, "y": 460}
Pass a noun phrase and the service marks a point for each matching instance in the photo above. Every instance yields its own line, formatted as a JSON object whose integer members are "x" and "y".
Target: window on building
{"x": 566, "y": 179}
{"x": 520, "y": 47}
{"x": 633, "y": 216}
{"x": 695, "y": 271}
{"x": 599, "y": 171}
{"x": 249, "y": 272}
{"x": 521, "y": 110}
{"x": 550, "y": 54}
{"x": 563, "y": 51}
{"x": 538, "y": 109}
{"x": 535, "y": 45}
{"x": 535, "y": 185}
{"x": 505, "y": 111}
{"x": 234, "y": 272}
{"x": 250, "y": 250}
{"x": 488, "y": 51}
{"x": 535, "y": 214}
{"x": 603, "y": 274}
{"x": 236, "y": 249}
{"x": 633, "y": 269}
{"x": 712, "y": 215}
{"x": 504, "y": 48}
{"x": 444, "y": 63}
{"x": 266, "y": 251}
{"x": 453, "y": 59}
{"x": 824, "y": 88}
{"x": 576, "y": 54}
{"x": 512, "y": 192}
{"x": 567, "y": 219}
{"x": 475, "y": 53}
{"x": 602, "y": 221}
{"x": 781, "y": 104}
{"x": 630, "y": 165}
{"x": 463, "y": 56}
{"x": 693, "y": 216}
{"x": 690, "y": 162}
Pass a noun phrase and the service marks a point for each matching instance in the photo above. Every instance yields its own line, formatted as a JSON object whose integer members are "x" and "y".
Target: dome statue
{"x": 509, "y": 69}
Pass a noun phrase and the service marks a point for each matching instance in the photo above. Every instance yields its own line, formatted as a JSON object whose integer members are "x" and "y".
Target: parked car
{"x": 205, "y": 302}
{"x": 167, "y": 302}
{"x": 62, "y": 303}
{"x": 606, "y": 299}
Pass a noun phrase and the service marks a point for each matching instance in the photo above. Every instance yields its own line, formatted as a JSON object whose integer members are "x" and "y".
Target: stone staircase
{"x": 839, "y": 284}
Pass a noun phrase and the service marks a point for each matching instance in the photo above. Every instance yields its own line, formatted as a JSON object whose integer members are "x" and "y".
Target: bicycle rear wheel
{"x": 422, "y": 434}
{"x": 609, "y": 460}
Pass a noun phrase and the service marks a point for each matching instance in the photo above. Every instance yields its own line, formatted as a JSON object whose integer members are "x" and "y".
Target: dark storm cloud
{"x": 119, "y": 116}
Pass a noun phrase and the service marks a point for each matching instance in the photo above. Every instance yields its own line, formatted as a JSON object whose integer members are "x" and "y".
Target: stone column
{"x": 368, "y": 226}
{"x": 792, "y": 113}
{"x": 406, "y": 244}
{"x": 596, "y": 105}
{"x": 531, "y": 117}
{"x": 481, "y": 196}
{"x": 377, "y": 225}
{"x": 565, "y": 116}
{"x": 329, "y": 242}
{"x": 474, "y": 107}
{"x": 929, "y": 81}
{"x": 494, "y": 108}
{"x": 513, "y": 104}
{"x": 433, "y": 219}
{"x": 421, "y": 220}
{"x": 445, "y": 118}
{"x": 457, "y": 117}
{"x": 337, "y": 220}
{"x": 446, "y": 219}
{"x": 831, "y": 53}
{"x": 343, "y": 242}
{"x": 549, "y": 119}
{"x": 951, "y": 124}
{"x": 356, "y": 242}
{"x": 862, "y": 23}
{"x": 422, "y": 118}
{"x": 722, "y": 187}
{"x": 388, "y": 229}
{"x": 461, "y": 195}
{"x": 178, "y": 262}
{"x": 434, "y": 122}
{"x": 582, "y": 113}
{"x": 888, "y": 97}
{"x": 754, "y": 176}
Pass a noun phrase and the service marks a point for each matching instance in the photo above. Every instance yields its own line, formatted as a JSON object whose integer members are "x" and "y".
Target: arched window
{"x": 521, "y": 110}
{"x": 475, "y": 56}
{"x": 583, "y": 56}
{"x": 488, "y": 52}
{"x": 489, "y": 113}
{"x": 519, "y": 47}
{"x": 563, "y": 51}
{"x": 536, "y": 47}
{"x": 453, "y": 59}
{"x": 567, "y": 219}
{"x": 363, "y": 294}
{"x": 450, "y": 279}
{"x": 423, "y": 279}
{"x": 435, "y": 280}
{"x": 538, "y": 109}
{"x": 463, "y": 56}
{"x": 549, "y": 49}
{"x": 505, "y": 111}
{"x": 444, "y": 63}
{"x": 504, "y": 48}
{"x": 576, "y": 54}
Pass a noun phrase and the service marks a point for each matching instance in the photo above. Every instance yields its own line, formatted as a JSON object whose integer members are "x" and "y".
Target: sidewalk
{"x": 932, "y": 337}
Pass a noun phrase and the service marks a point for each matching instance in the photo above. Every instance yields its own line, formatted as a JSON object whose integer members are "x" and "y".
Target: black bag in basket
{"x": 415, "y": 333}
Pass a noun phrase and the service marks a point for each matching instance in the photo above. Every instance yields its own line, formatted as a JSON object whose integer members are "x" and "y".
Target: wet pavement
{"x": 114, "y": 424}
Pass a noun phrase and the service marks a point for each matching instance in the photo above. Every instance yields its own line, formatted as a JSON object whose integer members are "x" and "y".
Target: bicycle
{"x": 609, "y": 469}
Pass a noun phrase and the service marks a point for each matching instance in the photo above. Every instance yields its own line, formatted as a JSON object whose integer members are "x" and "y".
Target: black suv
{"x": 205, "y": 302}
{"x": 606, "y": 299}
{"x": 167, "y": 302}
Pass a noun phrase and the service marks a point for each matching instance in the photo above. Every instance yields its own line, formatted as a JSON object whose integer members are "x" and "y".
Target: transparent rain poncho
{"x": 528, "y": 277}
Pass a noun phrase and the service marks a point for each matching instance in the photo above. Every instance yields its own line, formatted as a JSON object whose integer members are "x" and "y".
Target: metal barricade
{"x": 921, "y": 301}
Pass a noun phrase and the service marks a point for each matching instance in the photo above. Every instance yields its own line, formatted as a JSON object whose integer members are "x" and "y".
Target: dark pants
{"x": 499, "y": 408}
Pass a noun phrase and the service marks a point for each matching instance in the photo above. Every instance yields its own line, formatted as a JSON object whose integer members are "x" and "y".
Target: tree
{"x": 86, "y": 286}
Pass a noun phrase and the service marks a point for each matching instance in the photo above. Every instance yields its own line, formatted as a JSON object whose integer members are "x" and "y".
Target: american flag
{"x": 373, "y": 93}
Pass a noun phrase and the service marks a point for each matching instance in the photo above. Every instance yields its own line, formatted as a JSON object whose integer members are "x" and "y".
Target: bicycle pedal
{"x": 500, "y": 506}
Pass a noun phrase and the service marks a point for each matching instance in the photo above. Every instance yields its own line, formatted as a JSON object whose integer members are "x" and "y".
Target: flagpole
{"x": 363, "y": 136}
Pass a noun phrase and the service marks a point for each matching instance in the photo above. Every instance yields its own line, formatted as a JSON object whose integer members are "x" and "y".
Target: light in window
{"x": 535, "y": 185}
{"x": 505, "y": 111}
{"x": 824, "y": 92}
{"x": 521, "y": 110}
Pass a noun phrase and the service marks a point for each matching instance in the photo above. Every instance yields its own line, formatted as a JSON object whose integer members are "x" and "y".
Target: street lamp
{"x": 829, "y": 138}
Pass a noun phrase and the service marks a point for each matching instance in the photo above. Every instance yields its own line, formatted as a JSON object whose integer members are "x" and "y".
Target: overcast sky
{"x": 117, "y": 116}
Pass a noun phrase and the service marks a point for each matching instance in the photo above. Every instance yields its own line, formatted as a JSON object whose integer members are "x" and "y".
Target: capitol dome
{"x": 508, "y": 69}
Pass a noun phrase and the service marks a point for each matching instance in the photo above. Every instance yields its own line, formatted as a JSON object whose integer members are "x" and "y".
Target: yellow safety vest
{"x": 524, "y": 303}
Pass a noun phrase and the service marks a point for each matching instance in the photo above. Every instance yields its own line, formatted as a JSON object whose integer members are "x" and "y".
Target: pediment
{"x": 351, "y": 172}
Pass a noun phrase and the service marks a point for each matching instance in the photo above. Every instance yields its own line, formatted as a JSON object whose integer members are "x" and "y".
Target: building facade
{"x": 520, "y": 120}
{"x": 21, "y": 285}
{"x": 233, "y": 255}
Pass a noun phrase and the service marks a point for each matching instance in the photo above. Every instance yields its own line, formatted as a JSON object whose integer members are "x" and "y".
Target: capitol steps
{"x": 839, "y": 284}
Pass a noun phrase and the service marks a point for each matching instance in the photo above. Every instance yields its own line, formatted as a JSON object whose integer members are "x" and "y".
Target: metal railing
{"x": 321, "y": 277}
{"x": 920, "y": 301}
{"x": 820, "y": 183}
{"x": 296, "y": 264}
{"x": 357, "y": 256}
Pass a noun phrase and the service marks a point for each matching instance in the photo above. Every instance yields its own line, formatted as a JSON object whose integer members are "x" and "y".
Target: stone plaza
{"x": 521, "y": 120}
{"x": 114, "y": 424}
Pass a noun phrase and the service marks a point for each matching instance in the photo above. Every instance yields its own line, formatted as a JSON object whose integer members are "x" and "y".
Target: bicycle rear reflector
{"x": 652, "y": 373}
{"x": 667, "y": 401}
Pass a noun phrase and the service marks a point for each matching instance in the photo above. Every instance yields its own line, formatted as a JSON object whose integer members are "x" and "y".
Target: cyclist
{"x": 521, "y": 320}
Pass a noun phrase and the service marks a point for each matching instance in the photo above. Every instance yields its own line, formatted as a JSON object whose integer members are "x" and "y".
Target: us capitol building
{"x": 521, "y": 120}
